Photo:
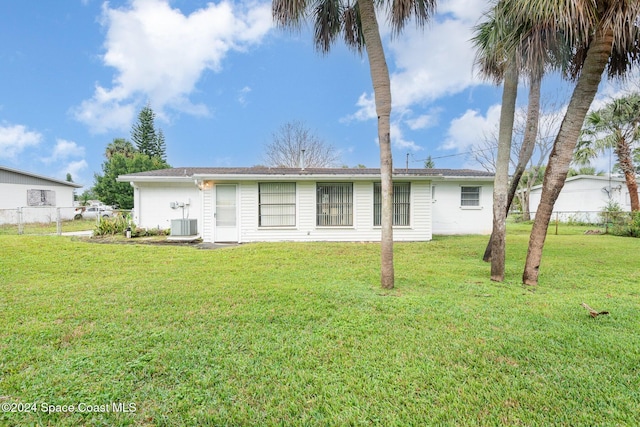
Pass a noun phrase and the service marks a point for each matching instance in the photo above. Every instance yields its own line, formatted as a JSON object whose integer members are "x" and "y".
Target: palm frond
{"x": 289, "y": 13}
{"x": 353, "y": 36}
{"x": 573, "y": 17}
{"x": 402, "y": 10}
{"x": 327, "y": 23}
{"x": 493, "y": 43}
{"x": 623, "y": 18}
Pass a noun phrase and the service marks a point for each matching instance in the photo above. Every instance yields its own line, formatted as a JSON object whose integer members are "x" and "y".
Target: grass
{"x": 301, "y": 334}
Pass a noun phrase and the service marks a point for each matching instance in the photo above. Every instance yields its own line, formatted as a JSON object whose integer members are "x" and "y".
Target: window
{"x": 334, "y": 204}
{"x": 401, "y": 203}
{"x": 276, "y": 204}
{"x": 41, "y": 198}
{"x": 469, "y": 196}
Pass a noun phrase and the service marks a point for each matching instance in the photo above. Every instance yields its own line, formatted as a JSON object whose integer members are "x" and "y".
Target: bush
{"x": 111, "y": 226}
{"x": 144, "y": 232}
{"x": 634, "y": 225}
{"x": 612, "y": 214}
{"x": 629, "y": 227}
{"x": 118, "y": 224}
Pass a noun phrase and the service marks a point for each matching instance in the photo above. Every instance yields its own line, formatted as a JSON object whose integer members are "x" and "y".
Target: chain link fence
{"x": 50, "y": 220}
{"x": 570, "y": 222}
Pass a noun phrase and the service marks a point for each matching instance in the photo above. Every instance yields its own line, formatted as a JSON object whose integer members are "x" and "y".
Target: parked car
{"x": 92, "y": 212}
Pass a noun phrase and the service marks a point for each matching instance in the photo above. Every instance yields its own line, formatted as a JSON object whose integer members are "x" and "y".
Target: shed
{"x": 35, "y": 197}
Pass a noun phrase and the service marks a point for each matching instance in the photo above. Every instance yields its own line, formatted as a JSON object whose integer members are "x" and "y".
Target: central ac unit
{"x": 184, "y": 227}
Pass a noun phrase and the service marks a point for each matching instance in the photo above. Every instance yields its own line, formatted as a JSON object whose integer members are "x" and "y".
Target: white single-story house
{"x": 35, "y": 198}
{"x": 293, "y": 204}
{"x": 583, "y": 197}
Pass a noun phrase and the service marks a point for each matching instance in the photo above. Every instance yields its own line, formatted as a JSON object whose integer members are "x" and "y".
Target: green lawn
{"x": 301, "y": 334}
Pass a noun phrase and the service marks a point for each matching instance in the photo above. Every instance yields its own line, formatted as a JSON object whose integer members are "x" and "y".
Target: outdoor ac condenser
{"x": 184, "y": 227}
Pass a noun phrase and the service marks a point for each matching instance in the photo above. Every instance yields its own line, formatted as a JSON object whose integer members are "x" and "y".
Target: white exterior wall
{"x": 152, "y": 209}
{"x": 306, "y": 229}
{"x": 451, "y": 218}
{"x": 14, "y": 196}
{"x": 583, "y": 197}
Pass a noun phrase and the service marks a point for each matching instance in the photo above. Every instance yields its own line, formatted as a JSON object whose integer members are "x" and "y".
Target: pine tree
{"x": 429, "y": 163}
{"x": 143, "y": 133}
{"x": 147, "y": 139}
{"x": 160, "y": 146}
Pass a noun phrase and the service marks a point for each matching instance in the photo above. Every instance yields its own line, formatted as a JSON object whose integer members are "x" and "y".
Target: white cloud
{"x": 366, "y": 109}
{"x": 16, "y": 138}
{"x": 74, "y": 168}
{"x": 430, "y": 66}
{"x": 616, "y": 88}
{"x": 63, "y": 150}
{"x": 468, "y": 11}
{"x": 470, "y": 128}
{"x": 398, "y": 140}
{"x": 159, "y": 54}
{"x": 242, "y": 95}
{"x": 423, "y": 121}
{"x": 431, "y": 63}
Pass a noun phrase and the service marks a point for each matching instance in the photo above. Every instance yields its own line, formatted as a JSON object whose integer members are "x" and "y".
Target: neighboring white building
{"x": 583, "y": 197}
{"x": 277, "y": 204}
{"x": 35, "y": 197}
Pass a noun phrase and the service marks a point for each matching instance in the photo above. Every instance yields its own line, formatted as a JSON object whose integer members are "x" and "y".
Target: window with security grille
{"x": 401, "y": 203}
{"x": 469, "y": 196}
{"x": 277, "y": 204}
{"x": 334, "y": 204}
{"x": 41, "y": 198}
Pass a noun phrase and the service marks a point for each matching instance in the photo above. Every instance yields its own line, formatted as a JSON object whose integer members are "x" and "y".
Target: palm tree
{"x": 497, "y": 60}
{"x": 120, "y": 146}
{"x": 505, "y": 48}
{"x": 604, "y": 35}
{"x": 356, "y": 21}
{"x": 616, "y": 126}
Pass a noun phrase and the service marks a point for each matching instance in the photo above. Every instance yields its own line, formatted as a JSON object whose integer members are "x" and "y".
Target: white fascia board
{"x": 294, "y": 177}
{"x": 139, "y": 179}
{"x": 304, "y": 177}
{"x": 463, "y": 178}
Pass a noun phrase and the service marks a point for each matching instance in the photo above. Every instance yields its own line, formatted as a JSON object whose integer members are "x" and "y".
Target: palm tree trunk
{"x": 382, "y": 93}
{"x": 623, "y": 151}
{"x": 566, "y": 140}
{"x": 526, "y": 151}
{"x": 501, "y": 181}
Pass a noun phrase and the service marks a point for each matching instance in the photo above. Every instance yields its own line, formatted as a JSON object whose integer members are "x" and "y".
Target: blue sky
{"x": 222, "y": 80}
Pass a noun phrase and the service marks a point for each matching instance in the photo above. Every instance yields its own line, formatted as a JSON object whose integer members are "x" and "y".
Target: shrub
{"x": 144, "y": 232}
{"x": 634, "y": 224}
{"x": 629, "y": 227}
{"x": 111, "y": 226}
{"x": 612, "y": 214}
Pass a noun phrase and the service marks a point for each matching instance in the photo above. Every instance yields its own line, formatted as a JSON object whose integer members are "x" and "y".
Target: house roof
{"x": 594, "y": 178}
{"x": 252, "y": 173}
{"x": 7, "y": 174}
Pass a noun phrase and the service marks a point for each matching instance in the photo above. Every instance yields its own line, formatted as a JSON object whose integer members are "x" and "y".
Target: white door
{"x": 225, "y": 216}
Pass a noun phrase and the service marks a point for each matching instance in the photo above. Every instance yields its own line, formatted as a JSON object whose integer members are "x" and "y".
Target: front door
{"x": 225, "y": 216}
